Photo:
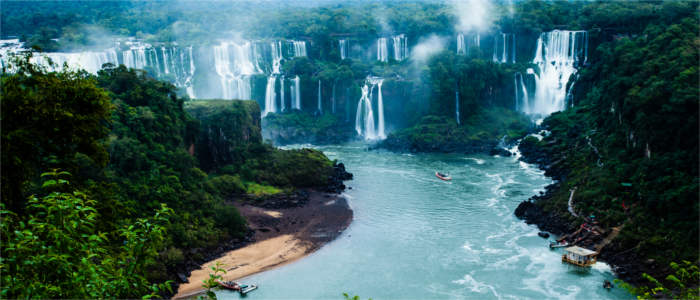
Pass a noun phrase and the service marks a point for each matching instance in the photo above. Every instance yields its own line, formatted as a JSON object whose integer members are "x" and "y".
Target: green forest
{"x": 107, "y": 180}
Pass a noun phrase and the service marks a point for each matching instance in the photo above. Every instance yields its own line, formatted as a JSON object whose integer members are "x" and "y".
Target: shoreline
{"x": 281, "y": 236}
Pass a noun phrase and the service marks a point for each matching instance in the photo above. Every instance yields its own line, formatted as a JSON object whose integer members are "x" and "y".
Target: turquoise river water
{"x": 417, "y": 237}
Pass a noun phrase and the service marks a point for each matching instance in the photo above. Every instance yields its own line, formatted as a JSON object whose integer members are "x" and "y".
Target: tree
{"x": 54, "y": 250}
{"x": 47, "y": 118}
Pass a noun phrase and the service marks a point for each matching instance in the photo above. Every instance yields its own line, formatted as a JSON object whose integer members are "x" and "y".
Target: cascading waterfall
{"x": 276, "y": 53}
{"x": 343, "y": 47}
{"x": 364, "y": 117}
{"x": 503, "y": 57}
{"x": 299, "y": 48}
{"x": 400, "y": 47}
{"x": 380, "y": 109}
{"x": 464, "y": 44}
{"x": 270, "y": 89}
{"x": 461, "y": 47}
{"x": 283, "y": 104}
{"x": 512, "y": 48}
{"x": 234, "y": 64}
{"x": 270, "y": 96}
{"x": 89, "y": 61}
{"x": 189, "y": 84}
{"x": 296, "y": 92}
{"x": 319, "y": 106}
{"x": 457, "y": 105}
{"x": 501, "y": 46}
{"x": 522, "y": 102}
{"x": 382, "y": 51}
{"x": 558, "y": 54}
{"x": 333, "y": 98}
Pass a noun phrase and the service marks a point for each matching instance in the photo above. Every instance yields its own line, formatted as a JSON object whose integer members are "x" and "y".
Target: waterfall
{"x": 495, "y": 49}
{"x": 400, "y": 47}
{"x": 364, "y": 117}
{"x": 503, "y": 57}
{"x": 276, "y": 52}
{"x": 89, "y": 61}
{"x": 461, "y": 47}
{"x": 166, "y": 61}
{"x": 465, "y": 44}
{"x": 380, "y": 110}
{"x": 320, "y": 108}
{"x": 135, "y": 57}
{"x": 333, "y": 98}
{"x": 296, "y": 91}
{"x": 557, "y": 57}
{"x": 283, "y": 104}
{"x": 382, "y": 52}
{"x": 507, "y": 49}
{"x": 522, "y": 102}
{"x": 188, "y": 83}
{"x": 343, "y": 47}
{"x": 365, "y": 113}
{"x": 270, "y": 96}
{"x": 457, "y": 105}
{"x": 512, "y": 48}
{"x": 299, "y": 48}
{"x": 234, "y": 64}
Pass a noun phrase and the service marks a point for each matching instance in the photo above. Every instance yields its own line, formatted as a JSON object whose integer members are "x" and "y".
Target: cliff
{"x": 226, "y": 130}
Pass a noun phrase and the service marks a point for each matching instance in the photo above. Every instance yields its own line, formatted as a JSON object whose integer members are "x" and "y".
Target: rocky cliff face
{"x": 227, "y": 128}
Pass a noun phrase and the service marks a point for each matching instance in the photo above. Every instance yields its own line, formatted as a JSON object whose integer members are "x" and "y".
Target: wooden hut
{"x": 579, "y": 256}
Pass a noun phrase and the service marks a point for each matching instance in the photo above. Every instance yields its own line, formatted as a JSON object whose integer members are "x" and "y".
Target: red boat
{"x": 231, "y": 285}
{"x": 444, "y": 177}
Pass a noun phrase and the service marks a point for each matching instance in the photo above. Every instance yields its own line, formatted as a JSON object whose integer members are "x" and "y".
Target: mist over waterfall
{"x": 343, "y": 47}
{"x": 364, "y": 117}
{"x": 382, "y": 50}
{"x": 400, "y": 47}
{"x": 558, "y": 54}
{"x": 89, "y": 61}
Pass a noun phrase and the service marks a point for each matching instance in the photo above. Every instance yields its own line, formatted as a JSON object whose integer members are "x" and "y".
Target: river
{"x": 417, "y": 237}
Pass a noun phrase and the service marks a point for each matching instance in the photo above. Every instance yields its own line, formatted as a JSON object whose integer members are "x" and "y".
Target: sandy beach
{"x": 281, "y": 236}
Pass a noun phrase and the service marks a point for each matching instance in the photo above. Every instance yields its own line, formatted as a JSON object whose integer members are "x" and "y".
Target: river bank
{"x": 282, "y": 234}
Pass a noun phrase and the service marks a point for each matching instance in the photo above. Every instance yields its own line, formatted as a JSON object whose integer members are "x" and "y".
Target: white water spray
{"x": 382, "y": 51}
{"x": 558, "y": 55}
{"x": 343, "y": 47}
{"x": 364, "y": 117}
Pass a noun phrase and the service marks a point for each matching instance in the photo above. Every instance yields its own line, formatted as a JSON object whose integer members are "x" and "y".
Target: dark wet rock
{"x": 543, "y": 234}
{"x": 335, "y": 184}
{"x": 182, "y": 277}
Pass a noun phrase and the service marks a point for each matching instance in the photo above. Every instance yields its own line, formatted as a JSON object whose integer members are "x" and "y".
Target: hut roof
{"x": 580, "y": 251}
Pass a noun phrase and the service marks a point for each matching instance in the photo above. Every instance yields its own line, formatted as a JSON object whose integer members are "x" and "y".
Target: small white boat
{"x": 248, "y": 289}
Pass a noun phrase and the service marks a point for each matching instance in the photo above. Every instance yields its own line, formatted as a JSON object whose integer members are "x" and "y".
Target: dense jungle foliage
{"x": 91, "y": 158}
